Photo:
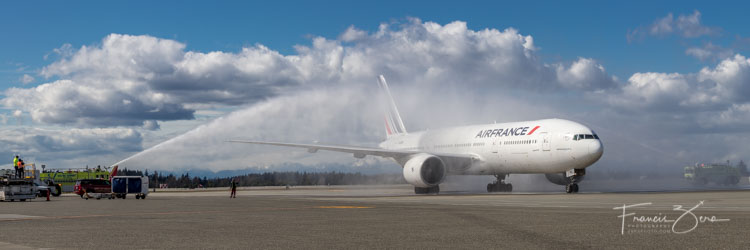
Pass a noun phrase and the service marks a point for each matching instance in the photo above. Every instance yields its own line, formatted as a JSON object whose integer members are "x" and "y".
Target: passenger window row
{"x": 519, "y": 142}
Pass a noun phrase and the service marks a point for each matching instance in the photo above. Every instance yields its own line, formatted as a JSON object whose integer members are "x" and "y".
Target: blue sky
{"x": 563, "y": 30}
{"x": 121, "y": 77}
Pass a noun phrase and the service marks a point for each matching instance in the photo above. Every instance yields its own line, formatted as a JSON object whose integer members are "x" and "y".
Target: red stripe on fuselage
{"x": 532, "y": 131}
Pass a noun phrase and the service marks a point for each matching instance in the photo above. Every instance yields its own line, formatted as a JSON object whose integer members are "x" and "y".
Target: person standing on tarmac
{"x": 234, "y": 189}
{"x": 15, "y": 164}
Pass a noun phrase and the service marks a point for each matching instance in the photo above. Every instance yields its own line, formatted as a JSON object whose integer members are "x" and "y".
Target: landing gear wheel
{"x": 500, "y": 185}
{"x": 571, "y": 188}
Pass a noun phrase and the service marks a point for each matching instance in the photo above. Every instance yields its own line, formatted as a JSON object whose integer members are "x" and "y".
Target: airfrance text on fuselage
{"x": 505, "y": 132}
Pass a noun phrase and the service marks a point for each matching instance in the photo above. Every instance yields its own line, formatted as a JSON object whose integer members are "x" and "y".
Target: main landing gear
{"x": 428, "y": 190}
{"x": 499, "y": 185}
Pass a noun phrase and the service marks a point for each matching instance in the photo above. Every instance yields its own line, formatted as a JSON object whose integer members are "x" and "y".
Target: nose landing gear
{"x": 571, "y": 188}
{"x": 574, "y": 176}
{"x": 499, "y": 185}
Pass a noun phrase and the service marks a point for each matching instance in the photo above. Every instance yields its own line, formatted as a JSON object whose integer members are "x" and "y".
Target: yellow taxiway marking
{"x": 343, "y": 207}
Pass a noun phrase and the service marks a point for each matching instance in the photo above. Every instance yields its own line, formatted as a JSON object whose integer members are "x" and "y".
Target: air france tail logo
{"x": 505, "y": 132}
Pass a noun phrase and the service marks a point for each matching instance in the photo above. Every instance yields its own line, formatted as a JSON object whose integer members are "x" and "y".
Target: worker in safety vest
{"x": 15, "y": 164}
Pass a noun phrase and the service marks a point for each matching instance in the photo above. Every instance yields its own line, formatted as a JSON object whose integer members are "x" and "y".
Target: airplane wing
{"x": 454, "y": 162}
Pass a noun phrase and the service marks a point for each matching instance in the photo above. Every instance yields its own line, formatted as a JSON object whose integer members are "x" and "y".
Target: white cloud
{"x": 66, "y": 50}
{"x": 712, "y": 100}
{"x": 26, "y": 79}
{"x": 585, "y": 74}
{"x": 688, "y": 26}
{"x": 709, "y": 52}
{"x": 731, "y": 78}
{"x": 127, "y": 80}
{"x": 352, "y": 34}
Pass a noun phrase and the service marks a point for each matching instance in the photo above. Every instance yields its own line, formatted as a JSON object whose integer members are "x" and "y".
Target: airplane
{"x": 560, "y": 149}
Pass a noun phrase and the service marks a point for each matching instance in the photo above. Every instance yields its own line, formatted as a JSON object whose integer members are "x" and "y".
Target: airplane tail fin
{"x": 393, "y": 124}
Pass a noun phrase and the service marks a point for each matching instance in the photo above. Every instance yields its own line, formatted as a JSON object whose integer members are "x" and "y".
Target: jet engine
{"x": 560, "y": 179}
{"x": 424, "y": 170}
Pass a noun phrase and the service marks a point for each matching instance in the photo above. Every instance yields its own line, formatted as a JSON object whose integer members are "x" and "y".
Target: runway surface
{"x": 380, "y": 217}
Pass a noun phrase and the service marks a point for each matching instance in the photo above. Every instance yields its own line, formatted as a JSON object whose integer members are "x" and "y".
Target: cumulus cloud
{"x": 713, "y": 99}
{"x": 127, "y": 80}
{"x": 730, "y": 79}
{"x": 352, "y": 34}
{"x": 688, "y": 26}
{"x": 585, "y": 74}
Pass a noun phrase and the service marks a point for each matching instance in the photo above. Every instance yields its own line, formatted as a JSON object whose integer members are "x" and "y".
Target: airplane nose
{"x": 596, "y": 149}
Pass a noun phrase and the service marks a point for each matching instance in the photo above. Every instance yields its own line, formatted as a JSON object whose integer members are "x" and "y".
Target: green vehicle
{"x": 722, "y": 174}
{"x": 68, "y": 178}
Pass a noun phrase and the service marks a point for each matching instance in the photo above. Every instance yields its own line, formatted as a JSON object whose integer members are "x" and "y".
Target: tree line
{"x": 267, "y": 179}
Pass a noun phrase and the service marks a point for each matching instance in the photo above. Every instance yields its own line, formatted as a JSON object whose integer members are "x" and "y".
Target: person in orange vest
{"x": 20, "y": 168}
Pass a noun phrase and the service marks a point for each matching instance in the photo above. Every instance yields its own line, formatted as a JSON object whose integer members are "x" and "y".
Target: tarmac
{"x": 347, "y": 217}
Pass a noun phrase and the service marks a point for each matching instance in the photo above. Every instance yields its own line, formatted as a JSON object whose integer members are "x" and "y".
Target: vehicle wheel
{"x": 98, "y": 198}
{"x": 575, "y": 187}
{"x": 137, "y": 197}
{"x": 143, "y": 197}
{"x": 57, "y": 191}
{"x": 124, "y": 196}
{"x": 509, "y": 187}
{"x": 22, "y": 199}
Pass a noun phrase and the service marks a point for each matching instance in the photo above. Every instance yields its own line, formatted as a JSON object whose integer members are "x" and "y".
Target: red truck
{"x": 92, "y": 186}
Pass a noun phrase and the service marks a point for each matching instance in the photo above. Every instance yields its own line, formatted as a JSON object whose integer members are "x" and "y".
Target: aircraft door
{"x": 545, "y": 141}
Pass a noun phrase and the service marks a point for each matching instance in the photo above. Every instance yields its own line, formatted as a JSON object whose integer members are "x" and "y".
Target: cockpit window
{"x": 585, "y": 137}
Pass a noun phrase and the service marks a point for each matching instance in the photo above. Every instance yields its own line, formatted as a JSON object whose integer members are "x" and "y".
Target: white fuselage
{"x": 541, "y": 146}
